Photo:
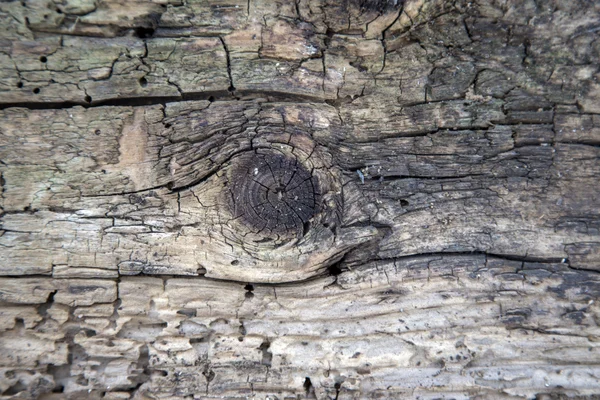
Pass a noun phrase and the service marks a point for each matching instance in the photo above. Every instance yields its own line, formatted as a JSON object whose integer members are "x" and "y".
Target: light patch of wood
{"x": 133, "y": 159}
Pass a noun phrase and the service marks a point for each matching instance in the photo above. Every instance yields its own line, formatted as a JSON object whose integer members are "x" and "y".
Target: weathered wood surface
{"x": 448, "y": 245}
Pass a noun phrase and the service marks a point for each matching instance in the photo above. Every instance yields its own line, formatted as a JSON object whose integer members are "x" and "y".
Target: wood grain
{"x": 454, "y": 245}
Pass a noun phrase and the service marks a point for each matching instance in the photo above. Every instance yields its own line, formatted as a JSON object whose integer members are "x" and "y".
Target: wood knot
{"x": 272, "y": 213}
{"x": 274, "y": 194}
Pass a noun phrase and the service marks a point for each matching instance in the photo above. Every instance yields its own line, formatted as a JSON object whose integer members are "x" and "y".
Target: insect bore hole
{"x": 249, "y": 289}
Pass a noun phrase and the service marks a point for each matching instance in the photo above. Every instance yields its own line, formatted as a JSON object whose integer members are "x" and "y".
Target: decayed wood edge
{"x": 460, "y": 325}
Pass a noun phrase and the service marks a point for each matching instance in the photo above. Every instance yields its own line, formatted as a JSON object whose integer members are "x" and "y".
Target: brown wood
{"x": 309, "y": 199}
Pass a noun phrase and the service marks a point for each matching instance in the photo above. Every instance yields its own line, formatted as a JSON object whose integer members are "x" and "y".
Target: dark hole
{"x": 167, "y": 125}
{"x": 337, "y": 386}
{"x": 43, "y": 308}
{"x": 403, "y": 203}
{"x": 334, "y": 269}
{"x": 249, "y": 288}
{"x": 97, "y": 131}
{"x": 188, "y": 312}
{"x": 235, "y": 262}
{"x": 267, "y": 356}
{"x": 211, "y": 98}
{"x": 231, "y": 88}
{"x": 43, "y": 59}
{"x": 143, "y": 82}
{"x": 89, "y": 332}
{"x": 36, "y": 90}
{"x": 144, "y": 33}
{"x": 329, "y": 33}
{"x": 59, "y": 11}
{"x": 19, "y": 84}
{"x": 307, "y": 384}
{"x": 88, "y": 99}
{"x": 305, "y": 228}
{"x": 58, "y": 389}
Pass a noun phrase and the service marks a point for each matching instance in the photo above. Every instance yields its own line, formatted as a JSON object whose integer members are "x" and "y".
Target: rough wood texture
{"x": 309, "y": 199}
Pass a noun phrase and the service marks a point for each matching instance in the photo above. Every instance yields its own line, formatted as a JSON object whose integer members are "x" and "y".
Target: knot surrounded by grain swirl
{"x": 274, "y": 194}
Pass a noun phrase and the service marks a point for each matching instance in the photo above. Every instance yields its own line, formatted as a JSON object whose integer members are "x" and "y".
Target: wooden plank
{"x": 310, "y": 199}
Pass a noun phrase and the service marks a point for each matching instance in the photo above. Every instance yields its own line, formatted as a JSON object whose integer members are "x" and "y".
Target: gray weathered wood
{"x": 453, "y": 148}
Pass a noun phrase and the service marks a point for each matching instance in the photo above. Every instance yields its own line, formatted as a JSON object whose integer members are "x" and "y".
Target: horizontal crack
{"x": 148, "y": 101}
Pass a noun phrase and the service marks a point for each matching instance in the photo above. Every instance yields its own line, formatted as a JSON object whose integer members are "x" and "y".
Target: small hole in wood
{"x": 235, "y": 262}
{"x": 19, "y": 85}
{"x": 307, "y": 384}
{"x": 211, "y": 99}
{"x": 143, "y": 82}
{"x": 334, "y": 270}
{"x": 88, "y": 99}
{"x": 403, "y": 203}
{"x": 305, "y": 228}
{"x": 36, "y": 90}
{"x": 97, "y": 132}
{"x": 249, "y": 288}
{"x": 231, "y": 88}
{"x": 58, "y": 389}
{"x": 144, "y": 33}
{"x": 43, "y": 59}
